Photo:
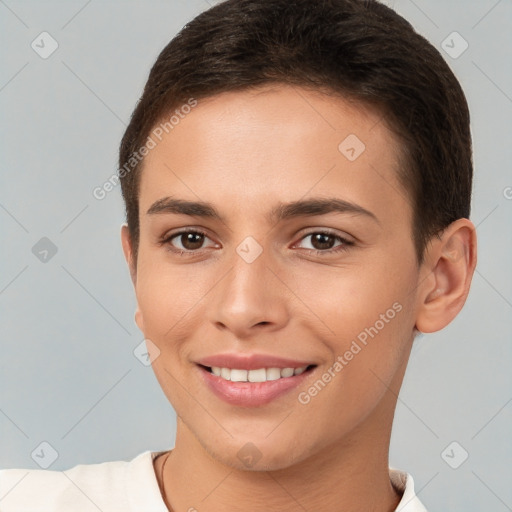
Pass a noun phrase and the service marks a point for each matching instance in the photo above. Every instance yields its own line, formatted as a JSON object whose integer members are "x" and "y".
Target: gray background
{"x": 68, "y": 375}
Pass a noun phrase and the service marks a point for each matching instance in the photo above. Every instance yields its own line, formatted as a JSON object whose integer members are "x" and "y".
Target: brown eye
{"x": 322, "y": 241}
{"x": 191, "y": 241}
{"x": 186, "y": 241}
{"x": 325, "y": 242}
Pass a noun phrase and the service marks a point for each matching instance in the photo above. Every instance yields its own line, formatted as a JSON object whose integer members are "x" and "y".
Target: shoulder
{"x": 83, "y": 488}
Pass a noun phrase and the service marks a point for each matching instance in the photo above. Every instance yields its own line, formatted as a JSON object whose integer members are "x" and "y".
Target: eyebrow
{"x": 280, "y": 212}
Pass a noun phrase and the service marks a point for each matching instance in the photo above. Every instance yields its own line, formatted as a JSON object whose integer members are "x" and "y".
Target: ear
{"x": 127, "y": 244}
{"x": 446, "y": 275}
{"x": 126, "y": 241}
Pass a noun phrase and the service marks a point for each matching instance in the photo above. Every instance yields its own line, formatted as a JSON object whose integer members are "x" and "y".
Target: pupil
{"x": 188, "y": 242}
{"x": 321, "y": 237}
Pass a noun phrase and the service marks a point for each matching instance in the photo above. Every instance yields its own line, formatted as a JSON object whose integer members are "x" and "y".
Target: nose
{"x": 251, "y": 298}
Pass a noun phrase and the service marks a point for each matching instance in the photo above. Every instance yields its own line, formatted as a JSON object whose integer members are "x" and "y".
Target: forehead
{"x": 245, "y": 149}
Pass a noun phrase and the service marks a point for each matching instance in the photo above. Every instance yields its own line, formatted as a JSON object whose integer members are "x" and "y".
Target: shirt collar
{"x": 404, "y": 483}
{"x": 147, "y": 492}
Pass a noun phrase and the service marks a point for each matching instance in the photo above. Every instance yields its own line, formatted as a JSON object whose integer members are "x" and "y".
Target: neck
{"x": 351, "y": 475}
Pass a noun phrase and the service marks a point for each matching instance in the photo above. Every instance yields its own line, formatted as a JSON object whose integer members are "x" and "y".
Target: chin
{"x": 253, "y": 454}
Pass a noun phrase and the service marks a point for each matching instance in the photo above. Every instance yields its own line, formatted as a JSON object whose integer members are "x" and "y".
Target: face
{"x": 328, "y": 283}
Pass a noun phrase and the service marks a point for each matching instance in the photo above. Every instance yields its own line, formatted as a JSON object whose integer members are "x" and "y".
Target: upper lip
{"x": 250, "y": 361}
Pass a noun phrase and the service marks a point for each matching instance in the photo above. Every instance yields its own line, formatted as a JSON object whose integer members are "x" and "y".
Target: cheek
{"x": 369, "y": 313}
{"x": 367, "y": 360}
{"x": 166, "y": 294}
{"x": 343, "y": 300}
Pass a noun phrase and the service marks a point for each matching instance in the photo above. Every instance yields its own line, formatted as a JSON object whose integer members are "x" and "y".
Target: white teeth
{"x": 256, "y": 375}
{"x": 286, "y": 372}
{"x": 239, "y": 375}
{"x": 259, "y": 375}
{"x": 273, "y": 373}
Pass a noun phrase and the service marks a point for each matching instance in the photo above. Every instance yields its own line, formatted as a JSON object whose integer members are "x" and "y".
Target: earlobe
{"x": 139, "y": 322}
{"x": 448, "y": 270}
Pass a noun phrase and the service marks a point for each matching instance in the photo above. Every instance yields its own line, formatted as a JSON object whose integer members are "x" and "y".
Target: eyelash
{"x": 340, "y": 248}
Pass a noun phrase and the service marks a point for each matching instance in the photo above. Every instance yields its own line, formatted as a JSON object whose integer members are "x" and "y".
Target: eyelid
{"x": 346, "y": 241}
{"x": 167, "y": 237}
{"x": 328, "y": 231}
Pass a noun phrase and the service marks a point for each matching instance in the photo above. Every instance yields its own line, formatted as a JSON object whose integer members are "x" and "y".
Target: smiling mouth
{"x": 256, "y": 375}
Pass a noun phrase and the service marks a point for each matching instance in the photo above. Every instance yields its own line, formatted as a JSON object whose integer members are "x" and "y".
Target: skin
{"x": 244, "y": 152}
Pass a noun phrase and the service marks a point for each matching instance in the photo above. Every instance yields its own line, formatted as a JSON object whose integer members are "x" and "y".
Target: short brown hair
{"x": 357, "y": 49}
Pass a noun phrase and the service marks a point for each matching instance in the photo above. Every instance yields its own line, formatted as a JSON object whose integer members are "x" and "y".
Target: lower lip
{"x": 251, "y": 394}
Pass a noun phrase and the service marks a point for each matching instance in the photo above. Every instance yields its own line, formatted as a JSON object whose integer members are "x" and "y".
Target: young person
{"x": 297, "y": 179}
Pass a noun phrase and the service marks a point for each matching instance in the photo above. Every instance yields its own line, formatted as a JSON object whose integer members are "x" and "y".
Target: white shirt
{"x": 115, "y": 487}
